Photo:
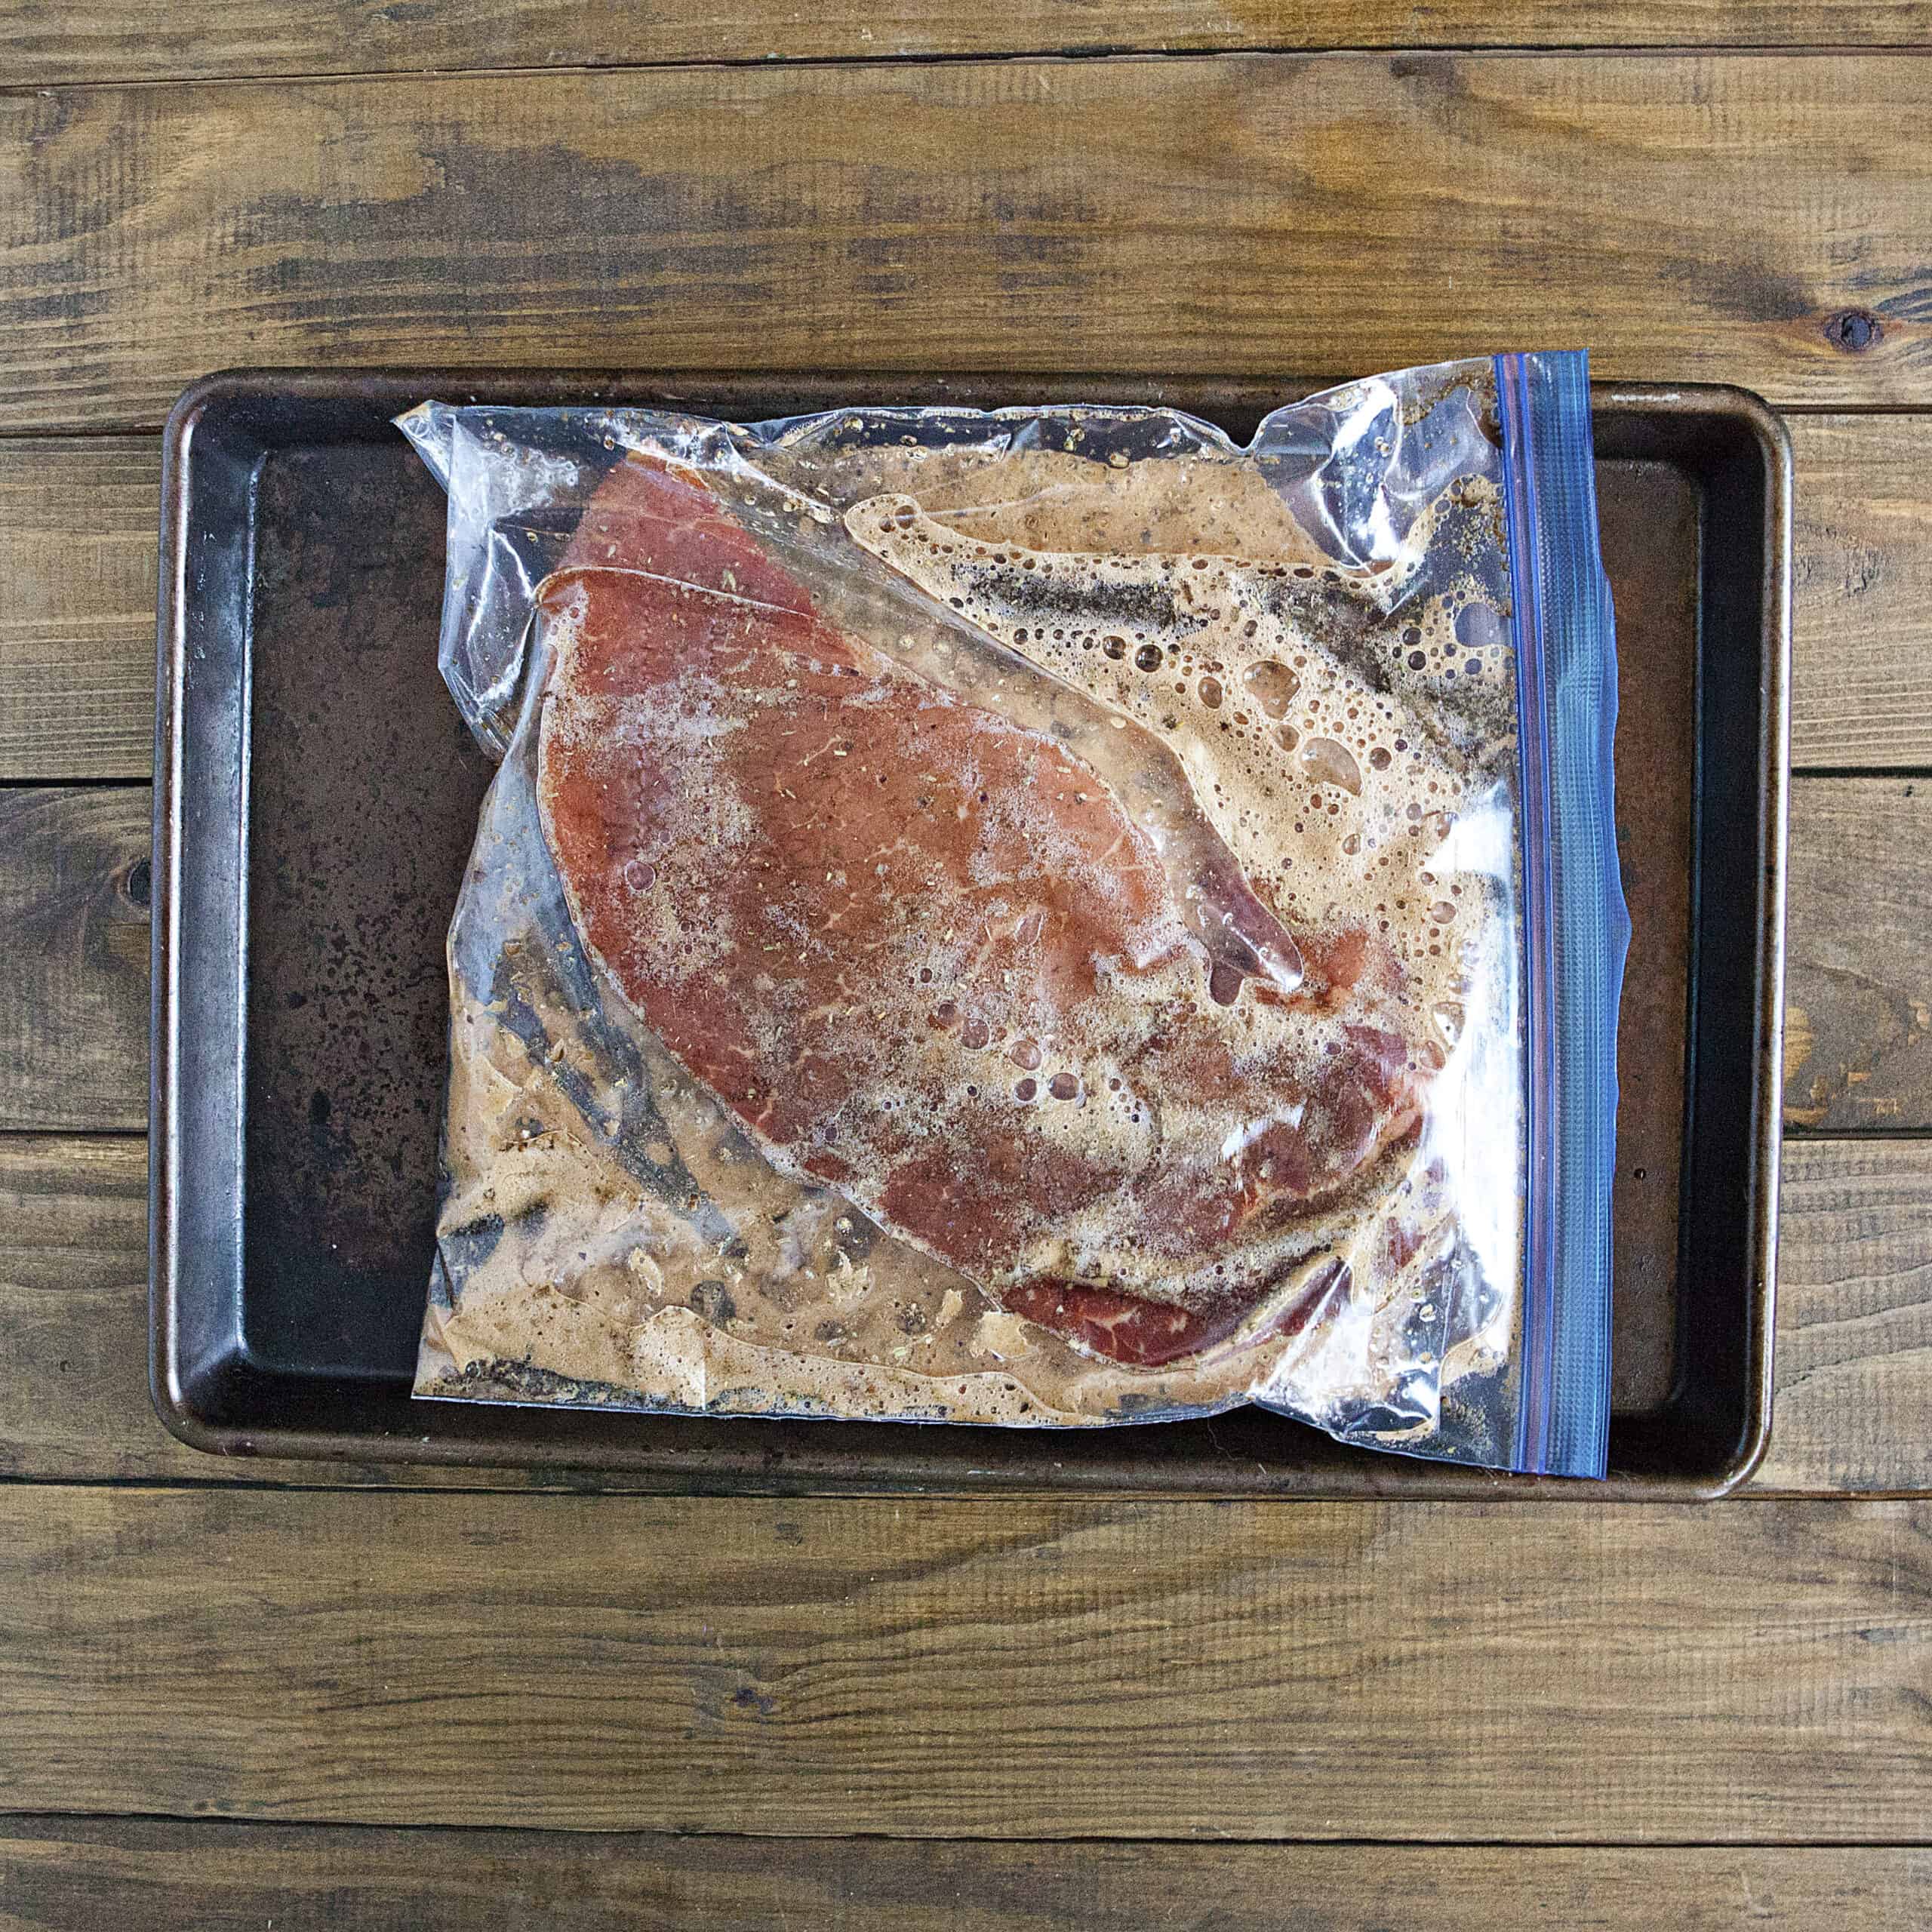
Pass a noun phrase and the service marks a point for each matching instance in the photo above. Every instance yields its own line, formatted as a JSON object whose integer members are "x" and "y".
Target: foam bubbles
{"x": 1331, "y": 788}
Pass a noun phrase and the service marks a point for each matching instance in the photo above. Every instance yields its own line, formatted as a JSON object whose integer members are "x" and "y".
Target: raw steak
{"x": 927, "y": 955}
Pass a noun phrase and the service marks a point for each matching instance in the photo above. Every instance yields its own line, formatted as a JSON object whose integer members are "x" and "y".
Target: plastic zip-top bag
{"x": 1042, "y": 918}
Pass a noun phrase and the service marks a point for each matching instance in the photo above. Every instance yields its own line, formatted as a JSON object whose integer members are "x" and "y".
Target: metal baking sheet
{"x": 315, "y": 799}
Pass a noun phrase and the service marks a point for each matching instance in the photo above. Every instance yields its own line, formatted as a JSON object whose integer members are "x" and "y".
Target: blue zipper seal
{"x": 1575, "y": 928}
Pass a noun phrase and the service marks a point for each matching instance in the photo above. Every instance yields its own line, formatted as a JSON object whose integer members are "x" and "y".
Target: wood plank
{"x": 73, "y": 1020}
{"x": 73, "y": 1310}
{"x": 1672, "y": 211}
{"x": 1858, "y": 1044}
{"x": 1752, "y": 1672}
{"x": 78, "y": 519}
{"x": 1854, "y": 1361}
{"x": 1854, "y": 1350}
{"x": 60, "y": 1875}
{"x": 45, "y": 45}
{"x": 1862, "y": 571}
{"x": 77, "y": 639}
{"x": 74, "y": 889}
{"x": 77, "y": 635}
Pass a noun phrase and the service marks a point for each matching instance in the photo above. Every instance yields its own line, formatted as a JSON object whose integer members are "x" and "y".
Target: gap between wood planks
{"x": 699, "y": 65}
{"x": 48, "y": 1822}
{"x": 52, "y": 1816}
{"x": 68, "y": 1870}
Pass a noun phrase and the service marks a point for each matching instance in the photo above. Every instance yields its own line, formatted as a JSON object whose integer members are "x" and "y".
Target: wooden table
{"x": 230, "y": 1694}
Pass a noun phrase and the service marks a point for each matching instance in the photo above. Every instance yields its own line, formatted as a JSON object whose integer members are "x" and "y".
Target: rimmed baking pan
{"x": 316, "y": 794}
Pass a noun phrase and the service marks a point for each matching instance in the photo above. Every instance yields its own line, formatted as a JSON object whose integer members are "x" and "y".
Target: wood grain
{"x": 1858, "y": 1044}
{"x": 1854, "y": 1345}
{"x": 48, "y": 44}
{"x": 74, "y": 1875}
{"x": 73, "y": 1310}
{"x": 74, "y": 865}
{"x": 78, "y": 524}
{"x": 1861, "y": 575}
{"x": 1749, "y": 1672}
{"x": 80, "y": 519}
{"x": 1854, "y": 1361}
{"x": 77, "y": 611}
{"x": 1685, "y": 216}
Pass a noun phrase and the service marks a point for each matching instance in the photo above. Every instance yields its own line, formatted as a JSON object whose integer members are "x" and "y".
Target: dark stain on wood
{"x": 1163, "y": 215}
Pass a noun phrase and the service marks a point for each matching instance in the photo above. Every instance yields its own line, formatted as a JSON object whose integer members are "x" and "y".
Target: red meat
{"x": 924, "y": 955}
